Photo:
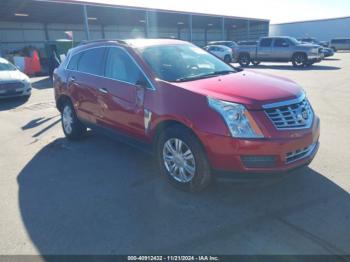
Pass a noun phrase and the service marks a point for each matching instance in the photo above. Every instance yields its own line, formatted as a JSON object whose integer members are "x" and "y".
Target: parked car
{"x": 280, "y": 49}
{"x": 221, "y": 51}
{"x": 327, "y": 52}
{"x": 197, "y": 114}
{"x": 340, "y": 44}
{"x": 231, "y": 44}
{"x": 313, "y": 40}
{"x": 13, "y": 83}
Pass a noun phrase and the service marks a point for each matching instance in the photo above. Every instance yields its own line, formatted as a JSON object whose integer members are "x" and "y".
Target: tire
{"x": 255, "y": 63}
{"x": 196, "y": 176}
{"x": 227, "y": 59}
{"x": 244, "y": 60}
{"x": 73, "y": 129}
{"x": 299, "y": 60}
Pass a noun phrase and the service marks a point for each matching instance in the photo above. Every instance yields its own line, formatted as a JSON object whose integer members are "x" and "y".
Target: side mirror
{"x": 142, "y": 82}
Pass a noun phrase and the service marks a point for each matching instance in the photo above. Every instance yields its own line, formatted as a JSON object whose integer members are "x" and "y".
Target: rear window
{"x": 266, "y": 42}
{"x": 91, "y": 61}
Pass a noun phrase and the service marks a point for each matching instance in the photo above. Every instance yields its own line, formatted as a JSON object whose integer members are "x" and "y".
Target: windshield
{"x": 178, "y": 63}
{"x": 7, "y": 67}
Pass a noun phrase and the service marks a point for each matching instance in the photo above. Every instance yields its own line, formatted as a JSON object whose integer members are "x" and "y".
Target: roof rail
{"x": 85, "y": 42}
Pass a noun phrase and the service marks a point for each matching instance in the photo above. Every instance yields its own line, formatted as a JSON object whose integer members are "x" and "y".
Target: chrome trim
{"x": 124, "y": 50}
{"x": 280, "y": 119}
{"x": 147, "y": 119}
{"x": 308, "y": 150}
{"x": 285, "y": 103}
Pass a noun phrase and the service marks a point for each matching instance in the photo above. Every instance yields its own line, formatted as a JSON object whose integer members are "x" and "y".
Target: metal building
{"x": 323, "y": 30}
{"x": 37, "y": 22}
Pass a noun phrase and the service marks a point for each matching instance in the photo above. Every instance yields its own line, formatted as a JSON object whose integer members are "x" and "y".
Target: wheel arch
{"x": 61, "y": 100}
{"x": 167, "y": 123}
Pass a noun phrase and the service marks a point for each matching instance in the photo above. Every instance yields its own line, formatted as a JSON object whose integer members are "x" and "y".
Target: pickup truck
{"x": 280, "y": 49}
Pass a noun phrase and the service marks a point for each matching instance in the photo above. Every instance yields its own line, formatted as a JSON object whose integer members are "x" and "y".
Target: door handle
{"x": 103, "y": 90}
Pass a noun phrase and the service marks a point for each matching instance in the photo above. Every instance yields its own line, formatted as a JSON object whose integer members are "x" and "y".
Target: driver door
{"x": 121, "y": 96}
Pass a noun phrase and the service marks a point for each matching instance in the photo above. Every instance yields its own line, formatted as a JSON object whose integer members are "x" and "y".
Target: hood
{"x": 247, "y": 87}
{"x": 308, "y": 45}
{"x": 10, "y": 76}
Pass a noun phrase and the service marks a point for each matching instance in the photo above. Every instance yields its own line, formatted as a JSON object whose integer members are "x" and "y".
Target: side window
{"x": 280, "y": 42}
{"x": 73, "y": 62}
{"x": 120, "y": 66}
{"x": 91, "y": 61}
{"x": 266, "y": 42}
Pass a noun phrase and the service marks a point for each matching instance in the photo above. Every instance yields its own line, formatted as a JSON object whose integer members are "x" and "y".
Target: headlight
{"x": 237, "y": 118}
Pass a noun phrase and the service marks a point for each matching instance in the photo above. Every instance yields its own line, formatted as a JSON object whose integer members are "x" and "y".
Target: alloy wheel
{"x": 179, "y": 160}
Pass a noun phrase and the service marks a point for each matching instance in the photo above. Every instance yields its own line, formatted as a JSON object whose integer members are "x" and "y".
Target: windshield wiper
{"x": 196, "y": 77}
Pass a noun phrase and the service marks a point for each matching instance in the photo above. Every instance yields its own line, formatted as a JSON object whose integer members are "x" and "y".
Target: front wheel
{"x": 227, "y": 59}
{"x": 73, "y": 129}
{"x": 255, "y": 63}
{"x": 244, "y": 60}
{"x": 299, "y": 60}
{"x": 181, "y": 159}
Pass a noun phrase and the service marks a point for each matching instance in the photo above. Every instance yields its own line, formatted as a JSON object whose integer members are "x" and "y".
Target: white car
{"x": 221, "y": 51}
{"x": 13, "y": 82}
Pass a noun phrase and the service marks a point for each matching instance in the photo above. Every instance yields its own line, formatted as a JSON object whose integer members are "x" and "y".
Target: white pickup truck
{"x": 280, "y": 49}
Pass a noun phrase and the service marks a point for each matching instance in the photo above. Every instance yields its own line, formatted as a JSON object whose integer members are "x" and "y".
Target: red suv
{"x": 196, "y": 113}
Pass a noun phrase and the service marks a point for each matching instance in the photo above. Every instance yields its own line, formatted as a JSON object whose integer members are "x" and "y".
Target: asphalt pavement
{"x": 99, "y": 196}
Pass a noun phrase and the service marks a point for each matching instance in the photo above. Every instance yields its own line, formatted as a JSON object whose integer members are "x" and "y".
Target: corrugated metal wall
{"x": 321, "y": 29}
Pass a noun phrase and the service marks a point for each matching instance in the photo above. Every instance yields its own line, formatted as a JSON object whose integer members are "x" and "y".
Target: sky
{"x": 277, "y": 11}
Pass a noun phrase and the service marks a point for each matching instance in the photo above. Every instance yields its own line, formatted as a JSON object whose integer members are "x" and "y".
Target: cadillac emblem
{"x": 302, "y": 115}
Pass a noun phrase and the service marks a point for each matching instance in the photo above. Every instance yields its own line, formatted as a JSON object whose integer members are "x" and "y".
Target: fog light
{"x": 259, "y": 161}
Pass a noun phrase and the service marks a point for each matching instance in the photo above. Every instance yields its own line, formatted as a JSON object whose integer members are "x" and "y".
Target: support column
{"x": 103, "y": 31}
{"x": 178, "y": 32}
{"x": 223, "y": 29}
{"x": 86, "y": 23}
{"x": 206, "y": 35}
{"x": 190, "y": 27}
{"x": 248, "y": 30}
{"x": 146, "y": 24}
{"x": 47, "y": 38}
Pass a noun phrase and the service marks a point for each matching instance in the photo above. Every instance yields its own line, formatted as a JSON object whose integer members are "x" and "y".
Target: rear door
{"x": 122, "y": 93}
{"x": 264, "y": 50}
{"x": 85, "y": 72}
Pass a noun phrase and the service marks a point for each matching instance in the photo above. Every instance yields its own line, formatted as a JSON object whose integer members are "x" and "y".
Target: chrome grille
{"x": 291, "y": 116}
{"x": 300, "y": 153}
{"x": 8, "y": 86}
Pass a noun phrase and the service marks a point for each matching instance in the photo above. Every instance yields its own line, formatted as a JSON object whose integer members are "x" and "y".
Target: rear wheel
{"x": 227, "y": 59}
{"x": 73, "y": 129}
{"x": 256, "y": 62}
{"x": 182, "y": 160}
{"x": 299, "y": 60}
{"x": 244, "y": 60}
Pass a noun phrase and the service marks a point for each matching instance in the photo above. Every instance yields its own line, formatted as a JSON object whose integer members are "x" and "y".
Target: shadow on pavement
{"x": 290, "y": 67}
{"x": 101, "y": 197}
{"x": 43, "y": 83}
{"x": 11, "y": 103}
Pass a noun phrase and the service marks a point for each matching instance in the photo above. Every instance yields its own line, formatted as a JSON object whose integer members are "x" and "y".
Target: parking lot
{"x": 98, "y": 196}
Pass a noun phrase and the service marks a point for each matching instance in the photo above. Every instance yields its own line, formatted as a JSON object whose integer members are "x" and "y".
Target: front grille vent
{"x": 293, "y": 116}
{"x": 300, "y": 153}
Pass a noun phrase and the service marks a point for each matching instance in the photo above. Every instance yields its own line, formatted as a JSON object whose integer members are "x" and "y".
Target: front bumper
{"x": 315, "y": 58}
{"x": 271, "y": 155}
